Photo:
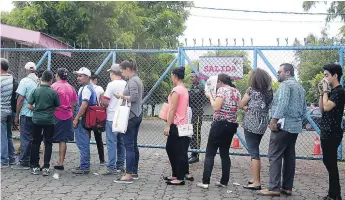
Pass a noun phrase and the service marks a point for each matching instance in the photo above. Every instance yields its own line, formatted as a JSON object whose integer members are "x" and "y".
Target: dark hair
{"x": 178, "y": 72}
{"x": 260, "y": 80}
{"x": 62, "y": 73}
{"x": 4, "y": 64}
{"x": 39, "y": 73}
{"x": 224, "y": 78}
{"x": 129, "y": 64}
{"x": 288, "y": 68}
{"x": 47, "y": 76}
{"x": 93, "y": 76}
{"x": 334, "y": 69}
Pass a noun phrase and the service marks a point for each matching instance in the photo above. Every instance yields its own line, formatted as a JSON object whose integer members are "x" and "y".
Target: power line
{"x": 261, "y": 20}
{"x": 263, "y": 12}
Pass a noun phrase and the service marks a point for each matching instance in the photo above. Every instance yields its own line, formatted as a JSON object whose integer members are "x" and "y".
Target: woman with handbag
{"x": 223, "y": 128}
{"x": 133, "y": 93}
{"x": 177, "y": 146}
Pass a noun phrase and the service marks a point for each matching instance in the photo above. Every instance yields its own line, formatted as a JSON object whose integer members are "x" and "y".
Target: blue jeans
{"x": 11, "y": 151}
{"x": 115, "y": 146}
{"x": 131, "y": 145}
{"x": 82, "y": 139}
{"x": 26, "y": 126}
{"x": 4, "y": 143}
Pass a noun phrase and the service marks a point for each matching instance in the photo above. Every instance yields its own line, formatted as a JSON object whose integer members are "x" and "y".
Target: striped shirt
{"x": 6, "y": 95}
{"x": 289, "y": 103}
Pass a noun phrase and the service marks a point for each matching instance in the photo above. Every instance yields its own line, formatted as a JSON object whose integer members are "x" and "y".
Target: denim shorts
{"x": 253, "y": 142}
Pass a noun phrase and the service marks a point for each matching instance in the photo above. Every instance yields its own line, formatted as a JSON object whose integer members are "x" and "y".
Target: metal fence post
{"x": 49, "y": 60}
{"x": 189, "y": 61}
{"x": 114, "y": 57}
{"x": 104, "y": 63}
{"x": 269, "y": 65}
{"x": 41, "y": 60}
{"x": 341, "y": 63}
{"x": 255, "y": 59}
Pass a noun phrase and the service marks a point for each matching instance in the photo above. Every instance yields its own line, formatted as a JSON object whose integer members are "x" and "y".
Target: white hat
{"x": 84, "y": 71}
{"x": 30, "y": 66}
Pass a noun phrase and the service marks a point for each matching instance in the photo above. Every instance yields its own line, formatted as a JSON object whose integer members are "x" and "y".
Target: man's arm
{"x": 82, "y": 110}
{"x": 31, "y": 107}
{"x": 20, "y": 101}
{"x": 327, "y": 103}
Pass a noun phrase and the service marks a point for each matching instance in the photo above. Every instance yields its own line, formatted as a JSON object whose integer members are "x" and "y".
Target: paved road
{"x": 310, "y": 181}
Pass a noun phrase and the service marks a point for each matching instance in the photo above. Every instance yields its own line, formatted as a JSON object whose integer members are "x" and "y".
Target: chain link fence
{"x": 152, "y": 64}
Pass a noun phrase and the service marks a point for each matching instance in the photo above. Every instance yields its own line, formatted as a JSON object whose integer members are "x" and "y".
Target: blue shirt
{"x": 25, "y": 88}
{"x": 289, "y": 103}
{"x": 86, "y": 93}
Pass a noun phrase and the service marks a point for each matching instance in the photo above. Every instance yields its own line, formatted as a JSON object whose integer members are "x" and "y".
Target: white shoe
{"x": 218, "y": 184}
{"x": 201, "y": 185}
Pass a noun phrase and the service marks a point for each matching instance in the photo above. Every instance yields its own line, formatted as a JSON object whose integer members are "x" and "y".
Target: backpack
{"x": 14, "y": 95}
{"x": 95, "y": 117}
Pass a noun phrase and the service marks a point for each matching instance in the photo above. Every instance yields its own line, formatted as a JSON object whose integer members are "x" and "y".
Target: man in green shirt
{"x": 46, "y": 100}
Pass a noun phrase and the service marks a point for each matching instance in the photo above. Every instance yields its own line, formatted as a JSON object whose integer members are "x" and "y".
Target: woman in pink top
{"x": 177, "y": 147}
{"x": 63, "y": 131}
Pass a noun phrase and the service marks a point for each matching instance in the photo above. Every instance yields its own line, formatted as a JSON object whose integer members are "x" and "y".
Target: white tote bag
{"x": 186, "y": 129}
{"x": 121, "y": 117}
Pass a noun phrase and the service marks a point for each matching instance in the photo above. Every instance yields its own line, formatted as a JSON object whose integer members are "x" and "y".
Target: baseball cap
{"x": 114, "y": 68}
{"x": 84, "y": 71}
{"x": 30, "y": 66}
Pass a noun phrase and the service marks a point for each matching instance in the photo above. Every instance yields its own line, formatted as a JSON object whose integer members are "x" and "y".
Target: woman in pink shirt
{"x": 176, "y": 146}
{"x": 63, "y": 131}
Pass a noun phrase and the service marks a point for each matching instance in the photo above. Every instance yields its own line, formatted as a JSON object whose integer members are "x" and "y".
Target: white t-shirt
{"x": 85, "y": 96}
{"x": 99, "y": 90}
{"x": 114, "y": 87}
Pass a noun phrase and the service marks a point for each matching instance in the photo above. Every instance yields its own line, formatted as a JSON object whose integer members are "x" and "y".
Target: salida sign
{"x": 214, "y": 65}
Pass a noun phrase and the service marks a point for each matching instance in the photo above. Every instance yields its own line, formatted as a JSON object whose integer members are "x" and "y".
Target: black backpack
{"x": 14, "y": 95}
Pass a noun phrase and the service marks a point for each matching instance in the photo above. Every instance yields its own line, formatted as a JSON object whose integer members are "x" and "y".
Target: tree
{"x": 336, "y": 9}
{"x": 95, "y": 24}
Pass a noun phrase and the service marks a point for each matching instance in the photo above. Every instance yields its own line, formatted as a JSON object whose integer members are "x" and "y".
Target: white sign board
{"x": 214, "y": 65}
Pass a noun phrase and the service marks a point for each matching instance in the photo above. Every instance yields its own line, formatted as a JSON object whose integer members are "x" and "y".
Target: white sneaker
{"x": 218, "y": 184}
{"x": 201, "y": 185}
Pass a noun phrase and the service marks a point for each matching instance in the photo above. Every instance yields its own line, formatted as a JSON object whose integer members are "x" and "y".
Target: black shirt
{"x": 197, "y": 99}
{"x": 331, "y": 120}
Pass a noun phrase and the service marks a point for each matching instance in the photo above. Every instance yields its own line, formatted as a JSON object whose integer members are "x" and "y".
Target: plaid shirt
{"x": 289, "y": 103}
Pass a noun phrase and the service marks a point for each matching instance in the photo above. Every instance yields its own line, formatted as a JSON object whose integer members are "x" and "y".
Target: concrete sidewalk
{"x": 311, "y": 181}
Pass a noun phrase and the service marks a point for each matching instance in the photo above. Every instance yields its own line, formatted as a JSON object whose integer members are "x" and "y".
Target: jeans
{"x": 282, "y": 146}
{"x": 4, "y": 144}
{"x": 115, "y": 146}
{"x": 221, "y": 135}
{"x": 82, "y": 139}
{"x": 253, "y": 141}
{"x": 48, "y": 132}
{"x": 26, "y": 126}
{"x": 11, "y": 150}
{"x": 130, "y": 139}
{"x": 330, "y": 150}
{"x": 177, "y": 150}
{"x": 100, "y": 145}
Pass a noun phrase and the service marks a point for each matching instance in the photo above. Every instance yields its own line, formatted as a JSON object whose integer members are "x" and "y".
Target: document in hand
{"x": 211, "y": 86}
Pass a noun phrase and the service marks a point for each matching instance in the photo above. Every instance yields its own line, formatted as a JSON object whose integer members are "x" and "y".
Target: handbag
{"x": 163, "y": 114}
{"x": 186, "y": 130}
{"x": 121, "y": 117}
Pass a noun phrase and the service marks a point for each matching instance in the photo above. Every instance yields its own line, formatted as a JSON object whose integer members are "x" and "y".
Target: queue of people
{"x": 45, "y": 112}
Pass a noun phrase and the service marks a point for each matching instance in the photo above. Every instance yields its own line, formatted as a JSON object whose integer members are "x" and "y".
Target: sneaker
{"x": 45, "y": 171}
{"x": 109, "y": 172}
{"x": 35, "y": 171}
{"x": 218, "y": 184}
{"x": 125, "y": 181}
{"x": 13, "y": 162}
{"x": 193, "y": 160}
{"x": 77, "y": 170}
{"x": 2, "y": 166}
{"x": 201, "y": 185}
{"x": 102, "y": 163}
{"x": 20, "y": 167}
{"x": 121, "y": 170}
{"x": 135, "y": 176}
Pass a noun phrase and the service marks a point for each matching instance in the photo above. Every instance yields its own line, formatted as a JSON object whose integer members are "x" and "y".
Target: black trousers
{"x": 220, "y": 137}
{"x": 329, "y": 147}
{"x": 37, "y": 137}
{"x": 196, "y": 138}
{"x": 99, "y": 143}
{"x": 177, "y": 150}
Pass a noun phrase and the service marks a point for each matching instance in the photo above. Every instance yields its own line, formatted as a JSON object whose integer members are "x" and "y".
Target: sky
{"x": 264, "y": 33}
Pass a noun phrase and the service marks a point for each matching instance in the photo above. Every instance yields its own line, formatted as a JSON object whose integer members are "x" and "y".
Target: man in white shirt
{"x": 115, "y": 143}
{"x": 98, "y": 133}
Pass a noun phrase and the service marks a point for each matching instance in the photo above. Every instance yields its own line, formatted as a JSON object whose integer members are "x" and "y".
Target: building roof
{"x": 33, "y": 38}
